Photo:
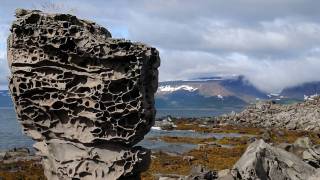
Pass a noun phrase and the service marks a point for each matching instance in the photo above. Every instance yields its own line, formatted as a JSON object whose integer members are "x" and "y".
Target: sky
{"x": 273, "y": 43}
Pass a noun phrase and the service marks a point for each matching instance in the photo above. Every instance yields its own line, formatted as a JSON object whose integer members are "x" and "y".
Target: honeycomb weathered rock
{"x": 71, "y": 81}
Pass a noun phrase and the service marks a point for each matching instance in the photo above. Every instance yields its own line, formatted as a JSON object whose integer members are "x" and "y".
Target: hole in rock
{"x": 34, "y": 58}
{"x": 33, "y": 19}
{"x": 57, "y": 105}
{"x": 118, "y": 86}
{"x": 50, "y": 31}
{"x": 87, "y": 103}
{"x": 22, "y": 86}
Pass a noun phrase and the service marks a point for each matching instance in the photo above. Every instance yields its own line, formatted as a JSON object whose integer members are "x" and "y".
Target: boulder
{"x": 72, "y": 82}
{"x": 309, "y": 152}
{"x": 262, "y": 161}
{"x": 198, "y": 172}
{"x": 304, "y": 149}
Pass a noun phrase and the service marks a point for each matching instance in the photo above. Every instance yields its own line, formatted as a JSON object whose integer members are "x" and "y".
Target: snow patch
{"x": 169, "y": 88}
{"x": 219, "y": 96}
{"x": 271, "y": 95}
{"x": 311, "y": 97}
{"x": 156, "y": 128}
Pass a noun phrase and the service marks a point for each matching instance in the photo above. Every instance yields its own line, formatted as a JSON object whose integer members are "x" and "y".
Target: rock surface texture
{"x": 262, "y": 161}
{"x": 85, "y": 97}
{"x": 299, "y": 116}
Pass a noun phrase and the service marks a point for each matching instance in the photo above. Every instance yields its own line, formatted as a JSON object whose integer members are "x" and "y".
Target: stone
{"x": 16, "y": 153}
{"x": 225, "y": 175}
{"x": 188, "y": 158}
{"x": 304, "y": 149}
{"x": 198, "y": 172}
{"x": 169, "y": 177}
{"x": 303, "y": 142}
{"x": 85, "y": 97}
{"x": 262, "y": 161}
{"x": 315, "y": 176}
{"x": 266, "y": 135}
{"x": 309, "y": 152}
{"x": 2, "y": 155}
{"x": 165, "y": 124}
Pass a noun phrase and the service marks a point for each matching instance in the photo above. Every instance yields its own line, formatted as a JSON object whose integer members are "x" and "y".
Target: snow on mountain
{"x": 168, "y": 88}
{"x": 275, "y": 96}
{"x": 219, "y": 96}
{"x": 311, "y": 97}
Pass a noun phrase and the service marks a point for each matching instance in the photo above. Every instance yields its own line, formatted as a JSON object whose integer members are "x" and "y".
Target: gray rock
{"x": 262, "y": 161}
{"x": 169, "y": 177}
{"x": 199, "y": 172}
{"x": 16, "y": 153}
{"x": 2, "y": 154}
{"x": 266, "y": 136}
{"x": 71, "y": 82}
{"x": 308, "y": 152}
{"x": 225, "y": 175}
{"x": 299, "y": 116}
{"x": 304, "y": 148}
{"x": 303, "y": 142}
{"x": 165, "y": 124}
{"x": 315, "y": 176}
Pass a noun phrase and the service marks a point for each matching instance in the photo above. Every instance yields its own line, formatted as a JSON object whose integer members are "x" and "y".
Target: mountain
{"x": 209, "y": 92}
{"x": 232, "y": 92}
{"x": 5, "y": 99}
{"x": 301, "y": 91}
{"x": 193, "y": 99}
{"x": 224, "y": 92}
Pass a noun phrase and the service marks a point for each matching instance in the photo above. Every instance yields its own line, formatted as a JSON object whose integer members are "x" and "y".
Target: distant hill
{"x": 193, "y": 99}
{"x": 300, "y": 91}
{"x": 214, "y": 92}
{"x": 234, "y": 91}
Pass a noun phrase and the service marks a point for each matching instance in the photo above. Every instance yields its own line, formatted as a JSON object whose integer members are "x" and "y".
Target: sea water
{"x": 11, "y": 134}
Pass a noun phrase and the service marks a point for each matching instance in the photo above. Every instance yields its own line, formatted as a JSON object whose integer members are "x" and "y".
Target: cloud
{"x": 267, "y": 74}
{"x": 275, "y": 44}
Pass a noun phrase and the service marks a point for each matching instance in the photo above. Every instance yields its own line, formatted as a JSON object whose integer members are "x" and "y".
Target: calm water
{"x": 188, "y": 113}
{"x": 11, "y": 133}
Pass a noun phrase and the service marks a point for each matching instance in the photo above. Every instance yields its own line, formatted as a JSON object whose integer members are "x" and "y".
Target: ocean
{"x": 197, "y": 113}
{"x": 11, "y": 134}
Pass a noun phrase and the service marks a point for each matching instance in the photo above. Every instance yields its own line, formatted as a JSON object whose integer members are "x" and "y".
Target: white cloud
{"x": 275, "y": 44}
{"x": 267, "y": 74}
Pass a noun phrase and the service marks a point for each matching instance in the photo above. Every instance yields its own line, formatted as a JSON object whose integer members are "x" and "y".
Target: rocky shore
{"x": 285, "y": 144}
{"x": 256, "y": 150}
{"x": 298, "y": 116}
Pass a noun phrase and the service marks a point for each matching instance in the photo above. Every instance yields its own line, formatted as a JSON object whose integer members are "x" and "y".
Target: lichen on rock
{"x": 71, "y": 81}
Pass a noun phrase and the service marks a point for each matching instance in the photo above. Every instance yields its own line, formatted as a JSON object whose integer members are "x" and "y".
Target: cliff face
{"x": 87, "y": 98}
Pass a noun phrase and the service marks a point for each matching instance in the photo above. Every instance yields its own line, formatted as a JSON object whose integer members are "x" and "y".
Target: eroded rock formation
{"x": 85, "y": 97}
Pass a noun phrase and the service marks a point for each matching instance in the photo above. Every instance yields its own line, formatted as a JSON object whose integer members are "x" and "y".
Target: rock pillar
{"x": 85, "y": 97}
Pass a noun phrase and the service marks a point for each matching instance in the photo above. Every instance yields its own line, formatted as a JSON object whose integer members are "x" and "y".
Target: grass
{"x": 187, "y": 125}
{"x": 22, "y": 170}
